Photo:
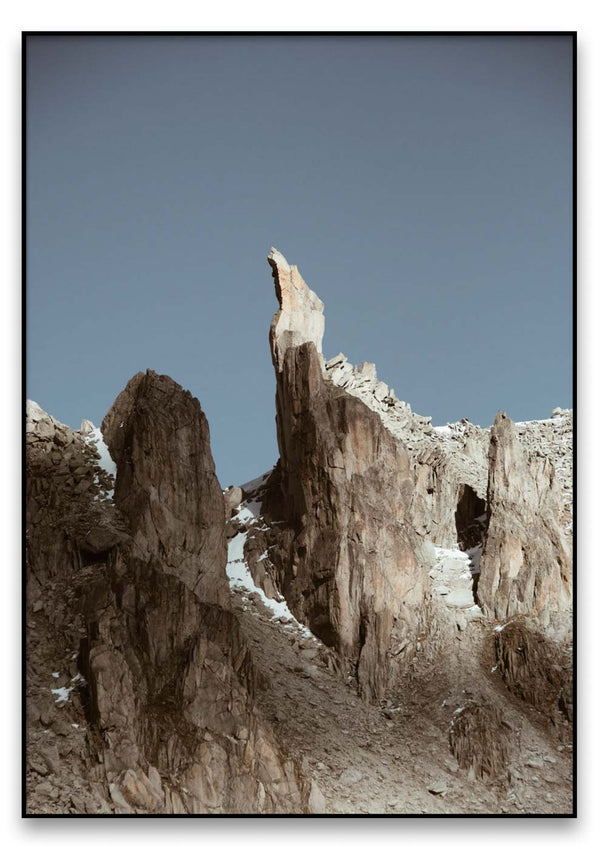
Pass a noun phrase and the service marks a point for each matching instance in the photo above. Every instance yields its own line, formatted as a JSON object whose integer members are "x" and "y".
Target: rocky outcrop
{"x": 172, "y": 692}
{"x": 526, "y": 562}
{"x": 66, "y": 481}
{"x": 193, "y": 650}
{"x": 300, "y": 316}
{"x": 553, "y": 439}
{"x": 363, "y": 482}
{"x": 163, "y": 695}
{"x": 72, "y": 525}
{"x": 444, "y": 460}
{"x": 480, "y": 740}
{"x": 536, "y": 669}
{"x": 166, "y": 486}
{"x": 348, "y": 558}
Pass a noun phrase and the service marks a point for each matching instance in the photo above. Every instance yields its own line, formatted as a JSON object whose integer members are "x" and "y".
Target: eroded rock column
{"x": 526, "y": 562}
{"x": 347, "y": 556}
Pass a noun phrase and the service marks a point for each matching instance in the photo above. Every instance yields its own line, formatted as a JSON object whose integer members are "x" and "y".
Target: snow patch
{"x": 105, "y": 462}
{"x": 62, "y": 694}
{"x": 240, "y": 578}
{"x": 245, "y": 515}
{"x": 452, "y": 577}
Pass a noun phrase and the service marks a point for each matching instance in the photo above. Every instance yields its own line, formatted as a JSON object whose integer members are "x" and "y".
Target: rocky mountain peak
{"x": 152, "y": 704}
{"x": 167, "y": 486}
{"x": 381, "y": 623}
{"x": 300, "y": 316}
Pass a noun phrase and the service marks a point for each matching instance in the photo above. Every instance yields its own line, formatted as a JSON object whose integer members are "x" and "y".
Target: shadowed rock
{"x": 480, "y": 741}
{"x": 166, "y": 685}
{"x": 348, "y": 558}
{"x": 166, "y": 482}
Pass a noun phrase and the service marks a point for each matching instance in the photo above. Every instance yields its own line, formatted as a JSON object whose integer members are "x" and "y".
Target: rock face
{"x": 64, "y": 479}
{"x": 526, "y": 562}
{"x": 166, "y": 486}
{"x": 479, "y": 740}
{"x": 193, "y": 650}
{"x": 348, "y": 558}
{"x": 172, "y": 690}
{"x": 363, "y": 482}
{"x": 165, "y": 682}
{"x": 535, "y": 668}
{"x": 300, "y": 317}
{"x": 445, "y": 461}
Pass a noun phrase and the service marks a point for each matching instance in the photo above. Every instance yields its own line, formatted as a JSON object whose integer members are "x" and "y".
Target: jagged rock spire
{"x": 300, "y": 316}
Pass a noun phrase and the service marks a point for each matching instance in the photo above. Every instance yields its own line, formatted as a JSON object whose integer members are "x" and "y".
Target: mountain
{"x": 382, "y": 623}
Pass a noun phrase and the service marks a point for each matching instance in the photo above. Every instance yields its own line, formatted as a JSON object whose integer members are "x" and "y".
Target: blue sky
{"x": 422, "y": 185}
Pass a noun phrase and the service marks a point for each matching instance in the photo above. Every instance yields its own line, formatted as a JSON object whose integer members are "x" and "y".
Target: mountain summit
{"x": 382, "y": 623}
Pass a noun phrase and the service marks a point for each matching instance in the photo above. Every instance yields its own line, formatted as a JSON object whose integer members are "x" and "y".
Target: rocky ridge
{"x": 349, "y": 577}
{"x": 154, "y": 707}
{"x": 409, "y": 752}
{"x": 380, "y": 624}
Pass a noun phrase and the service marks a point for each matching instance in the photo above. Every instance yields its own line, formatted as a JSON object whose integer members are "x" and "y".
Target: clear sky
{"x": 421, "y": 184}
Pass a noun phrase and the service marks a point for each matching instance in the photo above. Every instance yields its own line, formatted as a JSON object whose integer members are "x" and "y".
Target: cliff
{"x": 133, "y": 592}
{"x": 381, "y": 623}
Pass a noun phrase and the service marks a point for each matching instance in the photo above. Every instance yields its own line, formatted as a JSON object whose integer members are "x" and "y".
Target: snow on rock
{"x": 62, "y": 694}
{"x": 240, "y": 578}
{"x": 106, "y": 462}
{"x": 245, "y": 515}
{"x": 452, "y": 578}
{"x": 238, "y": 573}
{"x": 94, "y": 438}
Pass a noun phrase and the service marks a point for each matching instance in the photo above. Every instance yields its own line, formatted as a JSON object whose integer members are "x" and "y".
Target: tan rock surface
{"x": 384, "y": 756}
{"x": 300, "y": 317}
{"x": 165, "y": 675}
{"x": 526, "y": 565}
{"x": 348, "y": 557}
{"x": 167, "y": 487}
{"x": 159, "y": 688}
